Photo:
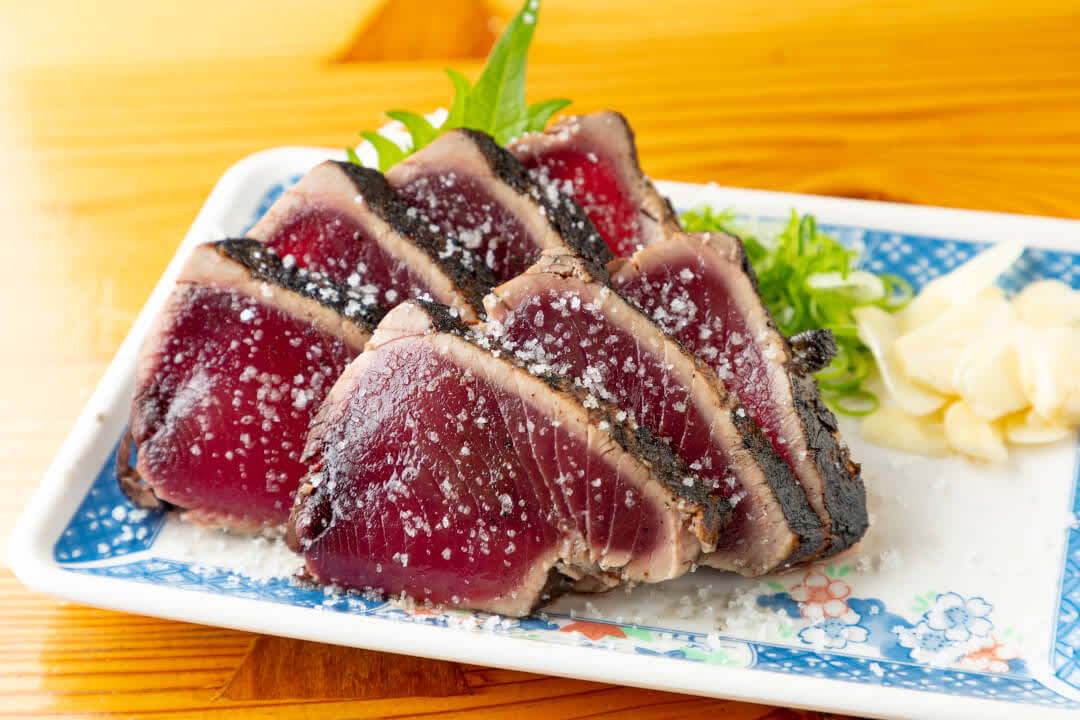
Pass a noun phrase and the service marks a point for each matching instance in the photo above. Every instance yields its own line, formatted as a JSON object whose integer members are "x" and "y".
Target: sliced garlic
{"x": 931, "y": 354}
{"x": 1047, "y": 373}
{"x": 1070, "y": 405}
{"x": 878, "y": 330}
{"x": 988, "y": 376}
{"x": 1005, "y": 370}
{"x": 920, "y": 311}
{"x": 978, "y": 273}
{"x": 892, "y": 427}
{"x": 961, "y": 285}
{"x": 972, "y": 435}
{"x": 1069, "y": 411}
{"x": 1048, "y": 303}
{"x": 1032, "y": 429}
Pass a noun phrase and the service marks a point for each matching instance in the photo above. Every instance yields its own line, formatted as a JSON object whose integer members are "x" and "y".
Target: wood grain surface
{"x": 117, "y": 117}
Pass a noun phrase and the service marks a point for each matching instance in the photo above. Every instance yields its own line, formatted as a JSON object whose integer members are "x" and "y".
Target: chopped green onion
{"x": 863, "y": 287}
{"x": 808, "y": 281}
{"x": 898, "y": 292}
{"x": 859, "y": 403}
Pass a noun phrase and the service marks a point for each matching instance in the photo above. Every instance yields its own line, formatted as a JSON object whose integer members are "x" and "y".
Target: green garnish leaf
{"x": 497, "y": 101}
{"x": 541, "y": 112}
{"x": 389, "y": 152}
{"x": 495, "y": 104}
{"x": 456, "y": 118}
{"x": 353, "y": 157}
{"x": 809, "y": 280}
{"x": 420, "y": 129}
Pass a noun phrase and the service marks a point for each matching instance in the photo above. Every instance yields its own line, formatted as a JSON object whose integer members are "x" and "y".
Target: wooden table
{"x": 117, "y": 117}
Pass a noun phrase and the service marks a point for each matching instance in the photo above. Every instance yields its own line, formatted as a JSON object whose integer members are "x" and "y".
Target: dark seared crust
{"x": 845, "y": 494}
{"x": 791, "y": 497}
{"x": 444, "y": 319}
{"x": 812, "y": 350}
{"x": 312, "y": 509}
{"x": 468, "y": 273}
{"x": 263, "y": 264}
{"x": 636, "y": 440}
{"x": 744, "y": 263}
{"x": 842, "y": 486}
{"x": 131, "y": 483}
{"x": 566, "y": 216}
{"x": 310, "y": 514}
{"x": 668, "y": 217}
{"x": 556, "y": 586}
{"x": 800, "y": 516}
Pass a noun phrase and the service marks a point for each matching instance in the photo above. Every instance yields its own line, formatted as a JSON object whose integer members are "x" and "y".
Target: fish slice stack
{"x": 491, "y": 376}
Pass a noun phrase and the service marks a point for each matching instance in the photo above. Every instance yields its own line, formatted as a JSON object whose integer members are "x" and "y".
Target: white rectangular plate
{"x": 962, "y": 601}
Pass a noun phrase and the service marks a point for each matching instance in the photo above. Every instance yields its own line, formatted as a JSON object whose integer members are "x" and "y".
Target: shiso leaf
{"x": 456, "y": 118}
{"x": 420, "y": 128}
{"x": 497, "y": 101}
{"x": 495, "y": 104}
{"x": 389, "y": 151}
{"x": 541, "y": 112}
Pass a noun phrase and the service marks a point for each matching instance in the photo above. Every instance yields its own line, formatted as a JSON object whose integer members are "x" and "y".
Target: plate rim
{"x": 29, "y": 547}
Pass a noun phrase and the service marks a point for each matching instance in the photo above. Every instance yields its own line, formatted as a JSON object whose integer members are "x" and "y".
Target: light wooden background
{"x": 117, "y": 117}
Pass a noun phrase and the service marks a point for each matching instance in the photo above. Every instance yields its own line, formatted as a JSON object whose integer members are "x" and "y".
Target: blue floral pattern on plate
{"x": 106, "y": 525}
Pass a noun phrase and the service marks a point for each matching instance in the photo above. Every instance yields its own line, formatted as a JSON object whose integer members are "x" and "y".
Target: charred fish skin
{"x": 562, "y": 296}
{"x": 508, "y": 521}
{"x": 469, "y": 275}
{"x": 466, "y": 184}
{"x": 790, "y": 495}
{"x": 347, "y": 223}
{"x": 594, "y": 159}
{"x": 264, "y": 265}
{"x": 843, "y": 490}
{"x": 812, "y": 351}
{"x": 713, "y": 271}
{"x": 569, "y": 220}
